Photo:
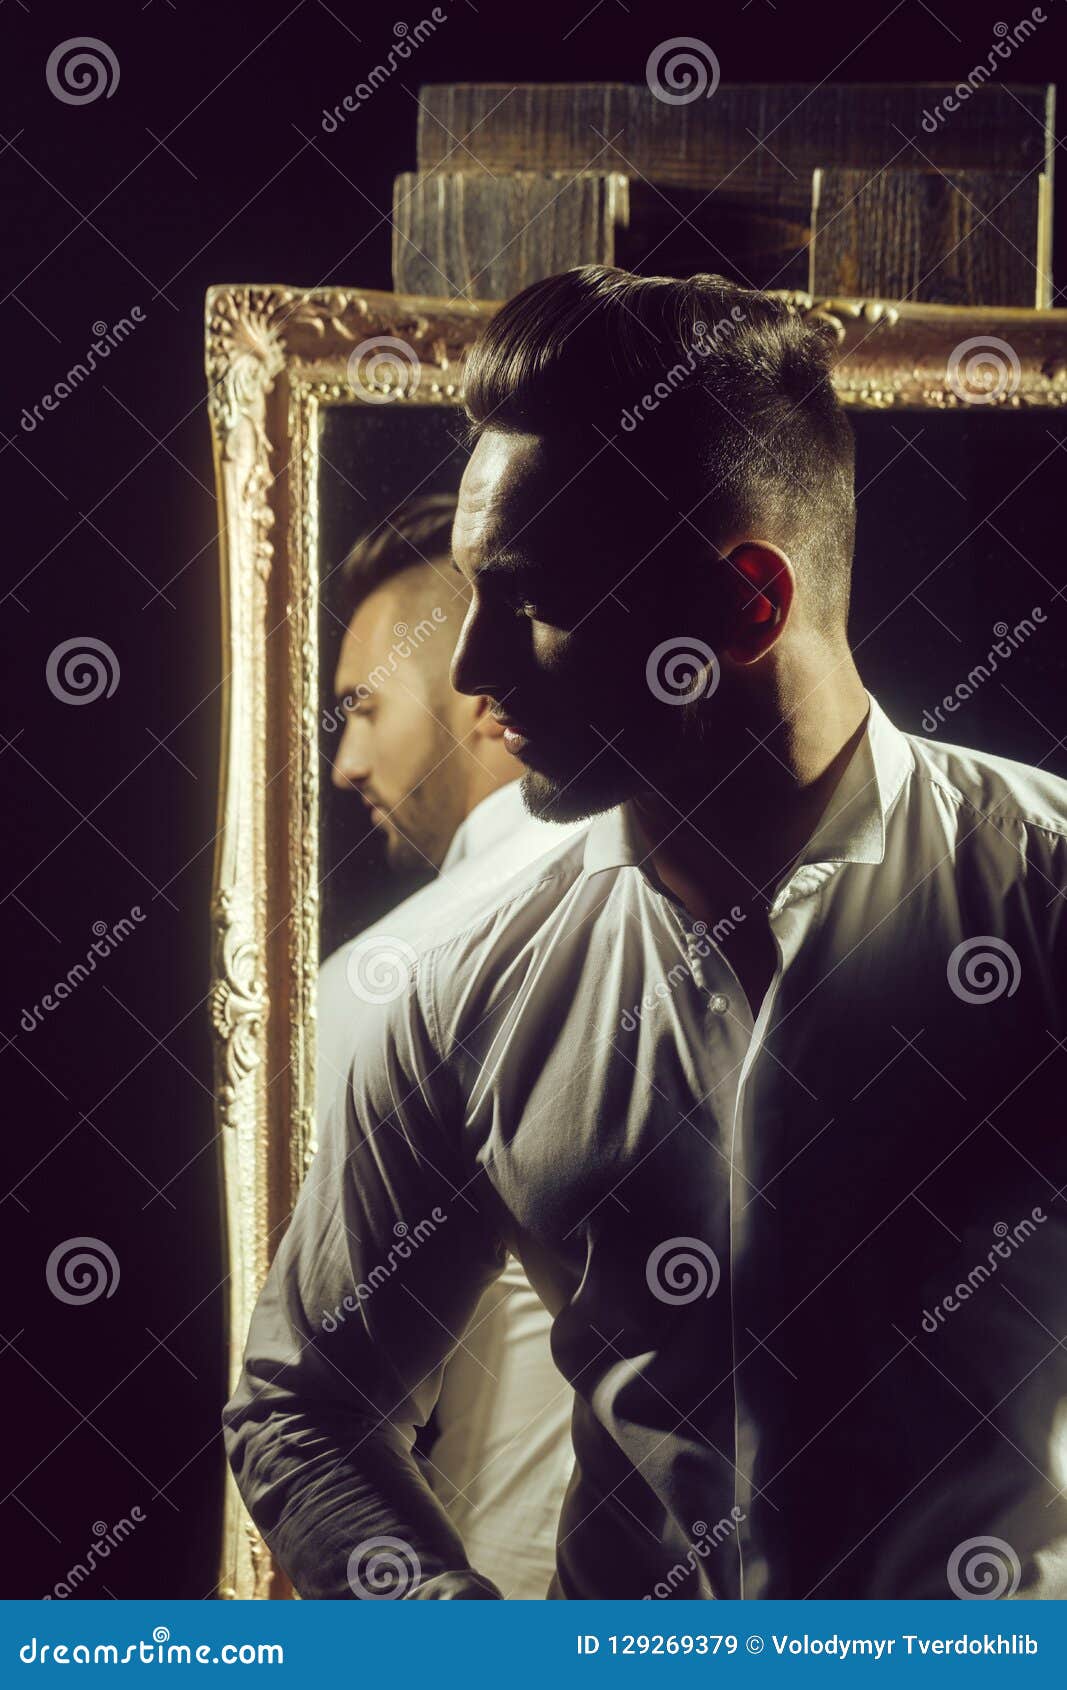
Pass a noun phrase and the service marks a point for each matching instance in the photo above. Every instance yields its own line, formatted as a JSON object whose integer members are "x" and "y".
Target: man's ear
{"x": 485, "y": 725}
{"x": 761, "y": 584}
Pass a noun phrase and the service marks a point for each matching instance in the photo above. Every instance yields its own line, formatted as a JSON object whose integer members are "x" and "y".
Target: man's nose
{"x": 351, "y": 766}
{"x": 479, "y": 659}
{"x": 459, "y": 667}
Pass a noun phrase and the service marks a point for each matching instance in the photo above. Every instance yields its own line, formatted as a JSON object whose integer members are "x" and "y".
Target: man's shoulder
{"x": 483, "y": 896}
{"x": 985, "y": 786}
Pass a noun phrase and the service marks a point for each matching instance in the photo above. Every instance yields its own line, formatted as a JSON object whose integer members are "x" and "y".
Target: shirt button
{"x": 719, "y": 1004}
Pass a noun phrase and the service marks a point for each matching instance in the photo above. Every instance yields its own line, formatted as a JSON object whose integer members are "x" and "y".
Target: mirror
{"x": 332, "y": 408}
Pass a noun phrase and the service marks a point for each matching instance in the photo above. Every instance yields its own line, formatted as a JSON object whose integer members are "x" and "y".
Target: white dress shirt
{"x": 502, "y": 1456}
{"x": 501, "y": 819}
{"x": 800, "y": 1284}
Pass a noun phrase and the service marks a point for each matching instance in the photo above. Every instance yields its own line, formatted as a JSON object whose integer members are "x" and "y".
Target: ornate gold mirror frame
{"x": 275, "y": 357}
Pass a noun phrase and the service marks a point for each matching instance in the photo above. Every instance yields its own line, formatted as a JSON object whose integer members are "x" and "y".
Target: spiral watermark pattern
{"x": 983, "y": 1569}
{"x": 681, "y": 670}
{"x": 383, "y": 368}
{"x": 82, "y": 70}
{"x": 984, "y": 370}
{"x": 378, "y": 967}
{"x": 81, "y": 1270}
{"x": 682, "y": 1270}
{"x": 382, "y": 1569}
{"x": 682, "y": 70}
{"x": 81, "y": 670}
{"x": 983, "y": 969}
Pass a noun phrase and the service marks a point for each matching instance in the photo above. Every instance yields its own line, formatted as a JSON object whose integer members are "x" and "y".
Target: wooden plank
{"x": 965, "y": 237}
{"x": 486, "y": 237}
{"x": 747, "y": 143}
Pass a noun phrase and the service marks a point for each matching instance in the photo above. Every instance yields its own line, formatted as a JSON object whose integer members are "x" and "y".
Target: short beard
{"x": 614, "y": 773}
{"x": 578, "y": 800}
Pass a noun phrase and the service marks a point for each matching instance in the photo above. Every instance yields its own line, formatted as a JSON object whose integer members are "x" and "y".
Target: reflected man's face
{"x": 398, "y": 743}
{"x": 566, "y": 609}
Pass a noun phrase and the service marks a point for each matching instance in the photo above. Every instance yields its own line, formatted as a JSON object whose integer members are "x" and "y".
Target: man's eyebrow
{"x": 505, "y": 561}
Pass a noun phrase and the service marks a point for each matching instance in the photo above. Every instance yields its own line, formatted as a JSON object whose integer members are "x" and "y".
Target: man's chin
{"x": 550, "y": 799}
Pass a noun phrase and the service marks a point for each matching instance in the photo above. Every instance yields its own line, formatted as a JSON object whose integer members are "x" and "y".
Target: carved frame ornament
{"x": 275, "y": 355}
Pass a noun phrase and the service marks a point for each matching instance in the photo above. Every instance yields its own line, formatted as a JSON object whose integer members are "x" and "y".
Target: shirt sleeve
{"x": 384, "y": 1261}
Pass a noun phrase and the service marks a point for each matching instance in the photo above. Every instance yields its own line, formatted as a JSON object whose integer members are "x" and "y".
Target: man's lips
{"x": 515, "y": 735}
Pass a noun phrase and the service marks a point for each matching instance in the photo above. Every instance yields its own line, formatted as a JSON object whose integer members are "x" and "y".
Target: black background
{"x": 208, "y": 165}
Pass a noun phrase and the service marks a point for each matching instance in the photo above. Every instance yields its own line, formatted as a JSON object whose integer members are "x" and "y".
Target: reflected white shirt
{"x": 501, "y": 818}
{"x": 502, "y": 1456}
{"x": 744, "y": 1226}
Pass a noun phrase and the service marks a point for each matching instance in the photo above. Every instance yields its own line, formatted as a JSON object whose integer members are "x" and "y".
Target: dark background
{"x": 208, "y": 165}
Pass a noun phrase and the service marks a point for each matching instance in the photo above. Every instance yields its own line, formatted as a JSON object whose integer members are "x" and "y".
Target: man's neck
{"x": 759, "y": 804}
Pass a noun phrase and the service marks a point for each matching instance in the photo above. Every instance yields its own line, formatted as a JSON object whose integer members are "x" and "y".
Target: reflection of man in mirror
{"x": 423, "y": 757}
{"x": 761, "y": 1076}
{"x": 432, "y": 766}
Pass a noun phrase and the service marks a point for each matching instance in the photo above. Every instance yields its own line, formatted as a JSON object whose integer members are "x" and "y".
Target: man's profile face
{"x": 391, "y": 685}
{"x": 563, "y": 622}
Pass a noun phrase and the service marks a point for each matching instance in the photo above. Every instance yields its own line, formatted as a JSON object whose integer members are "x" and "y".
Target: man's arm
{"x": 380, "y": 1270}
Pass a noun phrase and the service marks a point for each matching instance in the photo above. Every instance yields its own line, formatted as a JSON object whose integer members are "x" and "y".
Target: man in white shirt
{"x": 445, "y": 793}
{"x": 761, "y": 1078}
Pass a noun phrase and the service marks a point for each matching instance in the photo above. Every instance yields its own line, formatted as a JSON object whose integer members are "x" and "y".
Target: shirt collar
{"x": 492, "y": 820}
{"x": 852, "y": 828}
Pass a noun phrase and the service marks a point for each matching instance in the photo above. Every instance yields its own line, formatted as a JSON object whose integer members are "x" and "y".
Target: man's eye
{"x": 525, "y": 608}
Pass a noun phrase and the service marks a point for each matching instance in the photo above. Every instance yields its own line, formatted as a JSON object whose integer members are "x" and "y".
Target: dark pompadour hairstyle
{"x": 416, "y": 533}
{"x": 721, "y": 394}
